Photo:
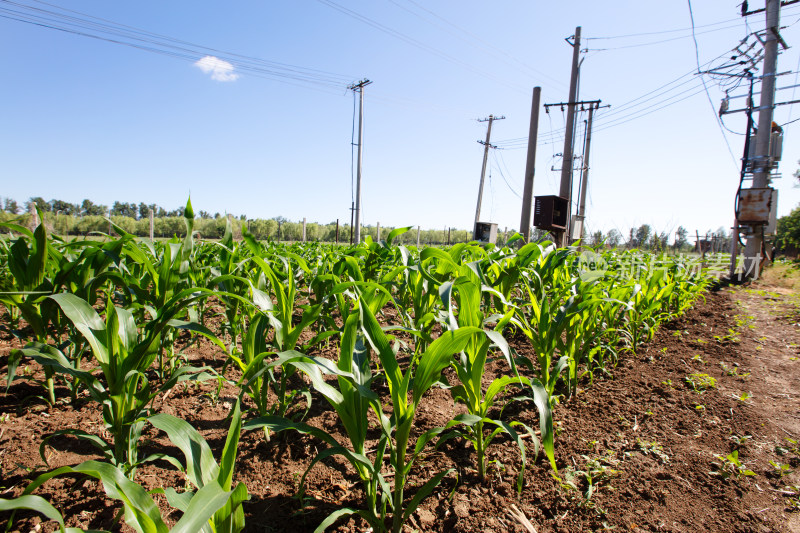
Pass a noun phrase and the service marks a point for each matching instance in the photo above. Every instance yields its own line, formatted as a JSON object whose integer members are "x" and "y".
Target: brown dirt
{"x": 649, "y": 440}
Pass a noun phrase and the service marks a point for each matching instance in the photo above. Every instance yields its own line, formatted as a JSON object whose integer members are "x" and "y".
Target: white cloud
{"x": 219, "y": 69}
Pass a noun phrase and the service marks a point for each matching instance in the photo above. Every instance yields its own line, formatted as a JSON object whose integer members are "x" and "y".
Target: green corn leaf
{"x": 423, "y": 492}
{"x": 87, "y": 321}
{"x": 201, "y": 468}
{"x": 33, "y": 503}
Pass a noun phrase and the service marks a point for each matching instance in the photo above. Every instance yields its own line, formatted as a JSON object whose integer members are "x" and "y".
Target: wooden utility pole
{"x": 762, "y": 163}
{"x": 530, "y": 167}
{"x": 486, "y": 146}
{"x": 359, "y": 87}
{"x": 565, "y": 190}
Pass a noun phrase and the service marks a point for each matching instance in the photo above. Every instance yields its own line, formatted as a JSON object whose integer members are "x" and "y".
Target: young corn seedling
{"x": 124, "y": 354}
{"x": 212, "y": 508}
{"x": 395, "y": 425}
{"x": 470, "y": 367}
{"x": 27, "y": 289}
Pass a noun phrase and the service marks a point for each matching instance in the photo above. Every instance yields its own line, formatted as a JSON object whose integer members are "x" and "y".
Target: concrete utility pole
{"x": 585, "y": 169}
{"x": 566, "y": 166}
{"x": 530, "y": 167}
{"x": 359, "y": 87}
{"x": 762, "y": 164}
{"x": 151, "y": 224}
{"x": 486, "y": 147}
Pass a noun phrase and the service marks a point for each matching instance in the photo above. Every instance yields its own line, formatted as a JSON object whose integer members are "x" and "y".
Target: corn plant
{"x": 124, "y": 354}
{"x": 29, "y": 258}
{"x": 353, "y": 400}
{"x": 212, "y": 508}
{"x": 202, "y": 470}
{"x": 470, "y": 368}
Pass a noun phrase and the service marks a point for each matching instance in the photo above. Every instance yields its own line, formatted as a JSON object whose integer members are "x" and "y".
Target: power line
{"x": 473, "y": 39}
{"x": 82, "y": 24}
{"x": 416, "y": 43}
{"x": 659, "y": 32}
{"x": 713, "y": 109}
{"x": 662, "y": 41}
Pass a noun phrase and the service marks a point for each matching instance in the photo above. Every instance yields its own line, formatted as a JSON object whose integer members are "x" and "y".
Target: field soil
{"x": 646, "y": 448}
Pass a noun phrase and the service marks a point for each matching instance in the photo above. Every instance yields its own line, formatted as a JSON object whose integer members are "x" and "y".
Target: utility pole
{"x": 486, "y": 147}
{"x": 359, "y": 87}
{"x": 566, "y": 165}
{"x": 742, "y": 173}
{"x": 352, "y": 212}
{"x": 530, "y": 167}
{"x": 585, "y": 168}
{"x": 762, "y": 164}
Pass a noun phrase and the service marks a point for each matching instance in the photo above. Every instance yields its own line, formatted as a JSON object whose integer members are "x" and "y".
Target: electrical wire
{"x": 82, "y": 24}
{"x": 475, "y": 40}
{"x": 417, "y": 44}
{"x": 662, "y": 41}
{"x": 502, "y": 175}
{"x": 713, "y": 109}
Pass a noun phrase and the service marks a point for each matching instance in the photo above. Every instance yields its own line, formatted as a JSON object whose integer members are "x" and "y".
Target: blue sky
{"x": 88, "y": 118}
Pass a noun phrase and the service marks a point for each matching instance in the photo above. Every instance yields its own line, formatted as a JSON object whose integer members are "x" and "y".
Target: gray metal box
{"x": 754, "y": 206}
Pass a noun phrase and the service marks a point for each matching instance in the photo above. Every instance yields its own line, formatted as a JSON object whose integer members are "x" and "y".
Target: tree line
{"x": 84, "y": 218}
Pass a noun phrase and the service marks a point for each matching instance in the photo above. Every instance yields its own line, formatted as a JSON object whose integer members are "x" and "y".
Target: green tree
{"x": 11, "y": 206}
{"x": 614, "y": 238}
{"x": 89, "y": 208}
{"x": 65, "y": 208}
{"x": 681, "y": 238}
{"x": 641, "y": 235}
{"x": 788, "y": 231}
{"x": 40, "y": 203}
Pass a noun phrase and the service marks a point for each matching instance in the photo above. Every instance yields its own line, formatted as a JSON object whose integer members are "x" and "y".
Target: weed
{"x": 733, "y": 370}
{"x": 740, "y": 441}
{"x": 730, "y": 466}
{"x": 780, "y": 469}
{"x": 730, "y": 337}
{"x": 793, "y": 500}
{"x": 744, "y": 396}
{"x": 793, "y": 447}
{"x": 652, "y": 448}
{"x": 599, "y": 471}
{"x": 701, "y": 382}
{"x": 696, "y": 357}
